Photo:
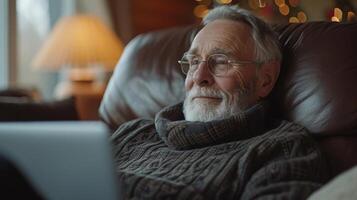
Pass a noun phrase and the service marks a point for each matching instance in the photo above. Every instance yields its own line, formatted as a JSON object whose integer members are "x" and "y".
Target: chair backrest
{"x": 316, "y": 87}
{"x": 317, "y": 84}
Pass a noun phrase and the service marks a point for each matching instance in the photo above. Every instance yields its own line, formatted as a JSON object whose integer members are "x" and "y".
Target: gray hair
{"x": 267, "y": 46}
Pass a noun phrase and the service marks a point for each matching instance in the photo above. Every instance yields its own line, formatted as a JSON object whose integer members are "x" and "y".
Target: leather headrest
{"x": 317, "y": 84}
{"x": 147, "y": 77}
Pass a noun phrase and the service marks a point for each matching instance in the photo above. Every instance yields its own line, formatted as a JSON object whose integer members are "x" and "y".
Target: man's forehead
{"x": 214, "y": 50}
{"x": 222, "y": 36}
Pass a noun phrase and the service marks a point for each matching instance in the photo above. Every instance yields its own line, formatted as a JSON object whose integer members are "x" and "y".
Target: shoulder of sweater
{"x": 284, "y": 141}
{"x": 286, "y": 129}
{"x": 284, "y": 133}
{"x": 289, "y": 135}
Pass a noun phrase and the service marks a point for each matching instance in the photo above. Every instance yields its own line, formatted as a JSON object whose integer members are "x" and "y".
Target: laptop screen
{"x": 62, "y": 160}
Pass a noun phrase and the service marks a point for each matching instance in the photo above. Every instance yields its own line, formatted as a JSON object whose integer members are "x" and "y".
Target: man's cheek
{"x": 188, "y": 84}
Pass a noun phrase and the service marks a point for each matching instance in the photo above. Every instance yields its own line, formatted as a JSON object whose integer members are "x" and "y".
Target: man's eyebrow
{"x": 221, "y": 51}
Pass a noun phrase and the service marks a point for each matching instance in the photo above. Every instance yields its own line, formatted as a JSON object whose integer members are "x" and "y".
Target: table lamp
{"x": 83, "y": 49}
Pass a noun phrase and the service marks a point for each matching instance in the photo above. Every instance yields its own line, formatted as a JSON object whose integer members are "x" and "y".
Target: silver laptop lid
{"x": 62, "y": 160}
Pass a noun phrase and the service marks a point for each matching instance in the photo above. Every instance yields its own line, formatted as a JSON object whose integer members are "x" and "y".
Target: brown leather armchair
{"x": 316, "y": 87}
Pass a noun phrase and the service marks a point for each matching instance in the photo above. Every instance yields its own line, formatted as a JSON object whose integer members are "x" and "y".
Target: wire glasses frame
{"x": 218, "y": 64}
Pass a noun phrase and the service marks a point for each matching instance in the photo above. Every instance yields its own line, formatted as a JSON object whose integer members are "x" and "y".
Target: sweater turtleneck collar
{"x": 183, "y": 135}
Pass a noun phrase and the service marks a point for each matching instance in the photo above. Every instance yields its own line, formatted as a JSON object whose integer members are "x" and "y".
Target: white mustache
{"x": 204, "y": 92}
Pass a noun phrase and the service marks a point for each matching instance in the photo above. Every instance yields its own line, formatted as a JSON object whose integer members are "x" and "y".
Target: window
{"x": 24, "y": 26}
{"x": 4, "y": 61}
{"x": 33, "y": 26}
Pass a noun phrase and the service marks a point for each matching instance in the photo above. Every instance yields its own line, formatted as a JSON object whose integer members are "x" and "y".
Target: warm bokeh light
{"x": 288, "y": 9}
{"x": 200, "y": 11}
{"x": 206, "y": 12}
{"x": 224, "y": 1}
{"x": 302, "y": 17}
{"x": 279, "y": 2}
{"x": 337, "y": 13}
{"x": 294, "y": 3}
{"x": 335, "y": 19}
{"x": 205, "y": 2}
{"x": 350, "y": 16}
{"x": 253, "y": 4}
{"x": 293, "y": 20}
{"x": 284, "y": 9}
{"x": 262, "y": 4}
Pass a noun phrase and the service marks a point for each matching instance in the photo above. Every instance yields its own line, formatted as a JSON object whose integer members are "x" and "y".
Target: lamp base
{"x": 88, "y": 95}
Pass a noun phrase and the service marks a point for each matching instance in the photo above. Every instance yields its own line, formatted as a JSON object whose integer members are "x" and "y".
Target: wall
{"x": 132, "y": 17}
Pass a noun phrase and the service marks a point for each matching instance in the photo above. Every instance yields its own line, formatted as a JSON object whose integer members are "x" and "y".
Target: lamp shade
{"x": 79, "y": 41}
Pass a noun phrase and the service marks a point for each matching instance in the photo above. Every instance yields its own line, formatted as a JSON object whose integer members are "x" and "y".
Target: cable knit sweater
{"x": 246, "y": 156}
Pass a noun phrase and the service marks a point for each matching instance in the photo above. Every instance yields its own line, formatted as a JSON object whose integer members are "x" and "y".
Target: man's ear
{"x": 268, "y": 74}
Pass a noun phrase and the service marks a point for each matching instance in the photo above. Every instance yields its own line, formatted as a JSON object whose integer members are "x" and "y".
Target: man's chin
{"x": 205, "y": 110}
{"x": 201, "y": 110}
{"x": 204, "y": 104}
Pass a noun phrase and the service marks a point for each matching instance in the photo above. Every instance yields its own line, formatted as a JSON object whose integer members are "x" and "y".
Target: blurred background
{"x": 61, "y": 48}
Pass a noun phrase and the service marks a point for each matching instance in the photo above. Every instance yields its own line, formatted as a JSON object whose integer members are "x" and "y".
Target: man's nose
{"x": 202, "y": 76}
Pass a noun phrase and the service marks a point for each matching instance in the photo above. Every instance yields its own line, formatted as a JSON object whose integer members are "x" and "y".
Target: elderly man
{"x": 221, "y": 143}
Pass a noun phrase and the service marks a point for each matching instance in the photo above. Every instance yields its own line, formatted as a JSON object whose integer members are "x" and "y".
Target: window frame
{"x": 7, "y": 43}
{"x": 8, "y": 36}
{"x": 8, "y": 51}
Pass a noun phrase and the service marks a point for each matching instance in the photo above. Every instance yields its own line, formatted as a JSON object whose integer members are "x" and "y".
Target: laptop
{"x": 62, "y": 160}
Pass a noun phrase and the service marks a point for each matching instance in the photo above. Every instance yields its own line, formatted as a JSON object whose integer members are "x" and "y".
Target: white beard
{"x": 207, "y": 110}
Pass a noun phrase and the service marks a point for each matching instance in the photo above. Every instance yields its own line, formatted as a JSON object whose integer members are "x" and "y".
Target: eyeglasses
{"x": 218, "y": 64}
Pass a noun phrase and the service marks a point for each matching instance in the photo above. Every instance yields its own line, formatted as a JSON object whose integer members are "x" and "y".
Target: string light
{"x": 279, "y": 2}
{"x": 302, "y": 17}
{"x": 204, "y": 2}
{"x": 253, "y": 4}
{"x": 284, "y": 9}
{"x": 200, "y": 11}
{"x": 293, "y": 20}
{"x": 262, "y": 4}
{"x": 337, "y": 13}
{"x": 335, "y": 19}
{"x": 350, "y": 16}
{"x": 206, "y": 12}
{"x": 224, "y": 1}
